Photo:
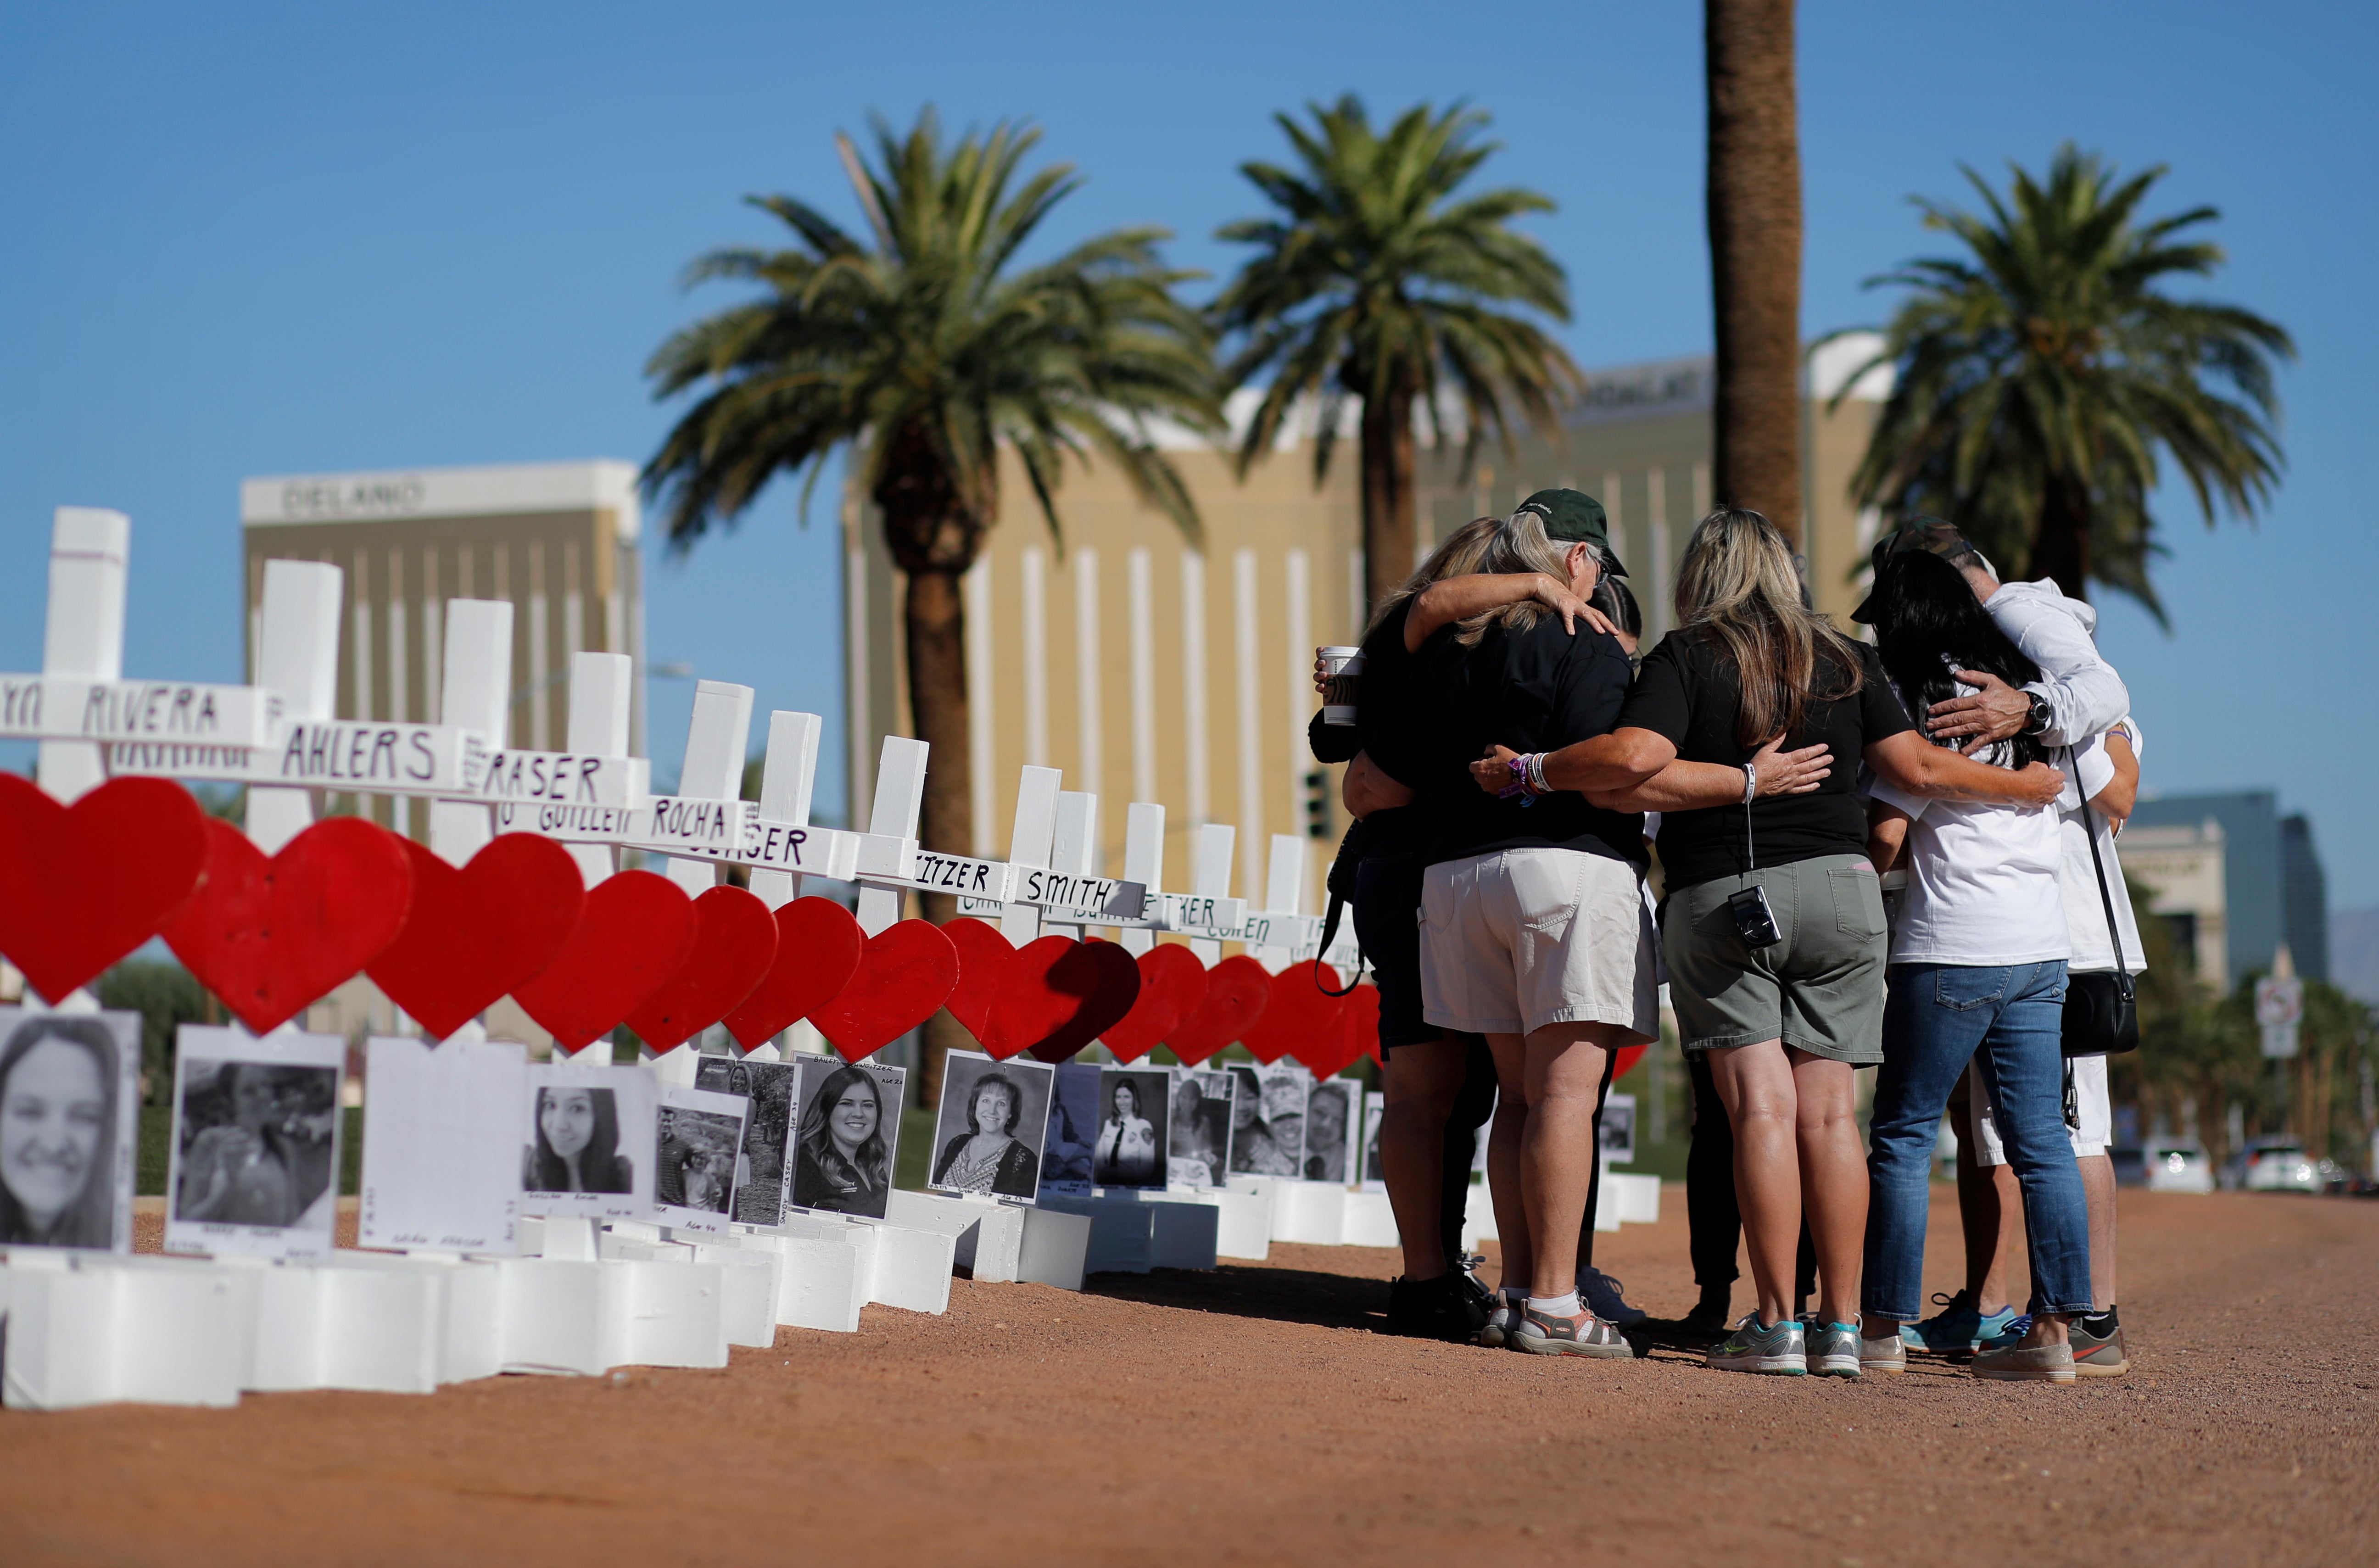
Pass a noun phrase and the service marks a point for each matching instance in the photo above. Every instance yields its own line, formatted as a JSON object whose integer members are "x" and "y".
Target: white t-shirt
{"x": 1983, "y": 883}
{"x": 2085, "y": 912}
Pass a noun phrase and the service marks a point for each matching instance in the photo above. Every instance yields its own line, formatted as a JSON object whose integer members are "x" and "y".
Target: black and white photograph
{"x": 1268, "y": 1120}
{"x": 70, "y": 1110}
{"x": 255, "y": 1144}
{"x": 590, "y": 1139}
{"x": 1198, "y": 1145}
{"x": 762, "y": 1177}
{"x": 847, "y": 1133}
{"x": 1074, "y": 1128}
{"x": 1132, "y": 1128}
{"x": 1618, "y": 1144}
{"x": 442, "y": 1168}
{"x": 1375, "y": 1105}
{"x": 989, "y": 1129}
{"x": 1331, "y": 1126}
{"x": 694, "y": 1157}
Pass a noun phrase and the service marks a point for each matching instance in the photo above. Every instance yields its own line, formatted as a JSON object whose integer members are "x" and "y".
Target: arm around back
{"x": 1907, "y": 761}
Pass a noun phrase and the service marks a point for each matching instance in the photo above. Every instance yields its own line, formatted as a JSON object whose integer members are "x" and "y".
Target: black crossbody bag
{"x": 2102, "y": 1012}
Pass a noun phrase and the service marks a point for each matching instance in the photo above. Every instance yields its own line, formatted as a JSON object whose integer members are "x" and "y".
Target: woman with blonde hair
{"x": 1439, "y": 1087}
{"x": 1772, "y": 924}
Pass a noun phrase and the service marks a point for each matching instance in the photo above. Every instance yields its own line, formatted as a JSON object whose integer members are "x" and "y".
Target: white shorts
{"x": 2095, "y": 1112}
{"x": 1517, "y": 939}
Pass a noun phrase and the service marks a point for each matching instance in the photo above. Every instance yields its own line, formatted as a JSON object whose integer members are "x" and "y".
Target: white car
{"x": 2177, "y": 1167}
{"x": 2279, "y": 1166}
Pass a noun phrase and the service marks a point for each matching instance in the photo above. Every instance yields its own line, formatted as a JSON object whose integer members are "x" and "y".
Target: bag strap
{"x": 1329, "y": 932}
{"x": 2106, "y": 899}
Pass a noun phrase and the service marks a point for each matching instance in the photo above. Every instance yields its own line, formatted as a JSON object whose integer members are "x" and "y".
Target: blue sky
{"x": 250, "y": 239}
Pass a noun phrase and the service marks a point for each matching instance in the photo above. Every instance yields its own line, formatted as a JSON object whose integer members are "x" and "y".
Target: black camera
{"x": 1754, "y": 920}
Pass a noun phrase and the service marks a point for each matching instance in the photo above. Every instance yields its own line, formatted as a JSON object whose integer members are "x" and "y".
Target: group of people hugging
{"x": 1837, "y": 854}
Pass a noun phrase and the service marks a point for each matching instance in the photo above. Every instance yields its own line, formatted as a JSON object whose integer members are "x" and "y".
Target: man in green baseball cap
{"x": 1575, "y": 517}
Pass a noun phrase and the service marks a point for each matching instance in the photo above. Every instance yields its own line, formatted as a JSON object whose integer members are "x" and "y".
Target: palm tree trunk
{"x": 2061, "y": 548}
{"x": 1754, "y": 233}
{"x": 935, "y": 626}
{"x": 1388, "y": 519}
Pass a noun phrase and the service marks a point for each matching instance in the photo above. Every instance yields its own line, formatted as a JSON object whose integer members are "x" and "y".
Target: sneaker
{"x": 1778, "y": 1351}
{"x": 1834, "y": 1351}
{"x": 1496, "y": 1332}
{"x": 1542, "y": 1334}
{"x": 2097, "y": 1357}
{"x": 1438, "y": 1309}
{"x": 1958, "y": 1327}
{"x": 2014, "y": 1329}
{"x": 1605, "y": 1297}
{"x": 1886, "y": 1357}
{"x": 1482, "y": 1295}
{"x": 2041, "y": 1364}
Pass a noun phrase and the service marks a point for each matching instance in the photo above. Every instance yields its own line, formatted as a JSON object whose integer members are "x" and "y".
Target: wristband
{"x": 1750, "y": 782}
{"x": 1536, "y": 768}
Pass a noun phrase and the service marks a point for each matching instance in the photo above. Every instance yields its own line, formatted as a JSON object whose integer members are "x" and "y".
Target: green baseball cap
{"x": 1574, "y": 517}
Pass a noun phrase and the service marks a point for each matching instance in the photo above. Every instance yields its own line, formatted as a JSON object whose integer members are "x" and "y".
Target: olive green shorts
{"x": 1820, "y": 990}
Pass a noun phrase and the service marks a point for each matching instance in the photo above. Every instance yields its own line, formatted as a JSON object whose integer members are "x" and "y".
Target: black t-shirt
{"x": 1382, "y": 729}
{"x": 1533, "y": 691}
{"x": 1689, "y": 692}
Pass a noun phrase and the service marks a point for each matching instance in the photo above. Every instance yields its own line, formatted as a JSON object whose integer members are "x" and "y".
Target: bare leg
{"x": 1421, "y": 1082}
{"x": 1562, "y": 1079}
{"x": 1756, "y": 1084}
{"x": 1505, "y": 1136}
{"x": 1833, "y": 1177}
{"x": 2098, "y": 1186}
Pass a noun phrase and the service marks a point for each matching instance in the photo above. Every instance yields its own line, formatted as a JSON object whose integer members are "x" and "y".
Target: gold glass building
{"x": 1147, "y": 669}
{"x": 558, "y": 539}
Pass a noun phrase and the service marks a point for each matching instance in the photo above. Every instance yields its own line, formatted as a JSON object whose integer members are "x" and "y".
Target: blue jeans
{"x": 1938, "y": 1017}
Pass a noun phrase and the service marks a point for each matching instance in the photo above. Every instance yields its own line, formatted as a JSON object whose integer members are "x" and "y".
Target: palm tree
{"x": 2040, "y": 376}
{"x": 927, "y": 352}
{"x": 1372, "y": 282}
{"x": 1754, "y": 209}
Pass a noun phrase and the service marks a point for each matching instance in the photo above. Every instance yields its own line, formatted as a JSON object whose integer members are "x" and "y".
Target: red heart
{"x": 1172, "y": 984}
{"x": 1237, "y": 991}
{"x": 818, "y": 944}
{"x": 1358, "y": 1020}
{"x": 81, "y": 886}
{"x": 734, "y": 944}
{"x": 1302, "y": 1020}
{"x": 474, "y": 934}
{"x": 984, "y": 958}
{"x": 634, "y": 931}
{"x": 1028, "y": 1008}
{"x": 1103, "y": 982}
{"x": 1625, "y": 1061}
{"x": 905, "y": 974}
{"x": 271, "y": 936}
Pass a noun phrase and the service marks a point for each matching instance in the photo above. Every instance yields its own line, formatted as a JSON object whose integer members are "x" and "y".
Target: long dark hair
{"x": 597, "y": 1161}
{"x": 1928, "y": 623}
{"x": 89, "y": 1221}
{"x": 818, "y": 1142}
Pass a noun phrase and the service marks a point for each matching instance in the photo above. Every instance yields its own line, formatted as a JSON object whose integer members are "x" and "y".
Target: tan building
{"x": 1150, "y": 670}
{"x": 558, "y": 539}
{"x": 2185, "y": 865}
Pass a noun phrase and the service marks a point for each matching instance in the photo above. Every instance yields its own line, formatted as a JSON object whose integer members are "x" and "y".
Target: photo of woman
{"x": 1131, "y": 1151}
{"x": 257, "y": 1145}
{"x": 60, "y": 1098}
{"x": 1199, "y": 1128}
{"x": 1257, "y": 1147}
{"x": 1328, "y": 1113}
{"x": 577, "y": 1145}
{"x": 841, "y": 1162}
{"x": 984, "y": 1105}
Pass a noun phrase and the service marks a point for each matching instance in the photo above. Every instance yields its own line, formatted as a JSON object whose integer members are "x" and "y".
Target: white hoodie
{"x": 2085, "y": 697}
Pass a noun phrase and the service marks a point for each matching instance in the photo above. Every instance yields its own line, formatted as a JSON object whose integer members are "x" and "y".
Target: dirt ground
{"x": 1249, "y": 1416}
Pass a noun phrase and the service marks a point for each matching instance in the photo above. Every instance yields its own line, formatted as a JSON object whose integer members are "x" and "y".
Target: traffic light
{"x": 1317, "y": 804}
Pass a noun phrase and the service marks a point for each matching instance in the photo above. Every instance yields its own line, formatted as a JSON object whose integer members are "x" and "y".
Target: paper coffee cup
{"x": 1341, "y": 675}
